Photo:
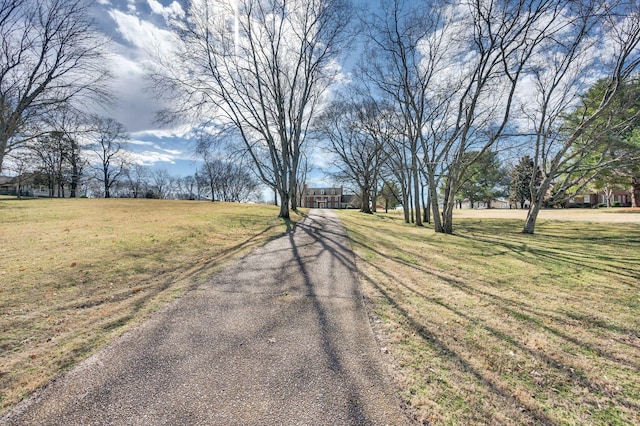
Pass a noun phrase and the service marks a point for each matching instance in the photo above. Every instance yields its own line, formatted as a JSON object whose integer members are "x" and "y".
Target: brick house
{"x": 620, "y": 198}
{"x": 327, "y": 198}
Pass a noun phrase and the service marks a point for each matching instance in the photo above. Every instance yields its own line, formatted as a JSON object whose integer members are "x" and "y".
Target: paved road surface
{"x": 281, "y": 337}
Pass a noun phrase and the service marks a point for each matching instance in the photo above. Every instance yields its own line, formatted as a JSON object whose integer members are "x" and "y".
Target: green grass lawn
{"x": 75, "y": 274}
{"x": 490, "y": 326}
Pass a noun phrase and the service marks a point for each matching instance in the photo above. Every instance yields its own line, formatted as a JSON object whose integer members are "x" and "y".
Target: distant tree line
{"x": 93, "y": 162}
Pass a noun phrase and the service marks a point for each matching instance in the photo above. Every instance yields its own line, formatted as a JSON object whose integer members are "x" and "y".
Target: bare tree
{"x": 51, "y": 151}
{"x": 137, "y": 180}
{"x": 50, "y": 55}
{"x": 109, "y": 140}
{"x": 236, "y": 183}
{"x": 209, "y": 150}
{"x": 452, "y": 71}
{"x": 354, "y": 135}
{"x": 161, "y": 181}
{"x": 22, "y": 165}
{"x": 395, "y": 35}
{"x": 67, "y": 126}
{"x": 186, "y": 187}
{"x": 261, "y": 67}
{"x": 560, "y": 148}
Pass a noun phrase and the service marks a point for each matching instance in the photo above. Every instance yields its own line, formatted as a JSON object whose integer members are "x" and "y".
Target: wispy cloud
{"x": 141, "y": 143}
{"x": 174, "y": 10}
{"x": 151, "y": 158}
{"x": 140, "y": 33}
{"x": 182, "y": 132}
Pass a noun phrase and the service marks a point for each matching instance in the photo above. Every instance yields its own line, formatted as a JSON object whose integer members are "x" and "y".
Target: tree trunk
{"x": 411, "y": 207}
{"x": 435, "y": 210}
{"x": 635, "y": 192}
{"x": 608, "y": 194}
{"x": 284, "y": 205}
{"x": 19, "y": 186}
{"x": 426, "y": 207}
{"x": 105, "y": 175}
{"x": 405, "y": 205}
{"x": 532, "y": 216}
{"x": 416, "y": 190}
{"x": 74, "y": 186}
{"x": 3, "y": 147}
{"x": 293, "y": 194}
{"x": 447, "y": 216}
{"x": 366, "y": 208}
{"x": 448, "y": 204}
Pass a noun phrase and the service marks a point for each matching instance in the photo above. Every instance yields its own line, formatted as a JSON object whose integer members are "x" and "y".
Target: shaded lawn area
{"x": 490, "y": 326}
{"x": 75, "y": 274}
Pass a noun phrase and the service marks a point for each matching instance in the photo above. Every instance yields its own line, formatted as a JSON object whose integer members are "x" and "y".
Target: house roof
{"x": 5, "y": 180}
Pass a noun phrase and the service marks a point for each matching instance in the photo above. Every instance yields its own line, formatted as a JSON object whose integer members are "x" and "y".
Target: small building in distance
{"x": 328, "y": 198}
{"x": 28, "y": 185}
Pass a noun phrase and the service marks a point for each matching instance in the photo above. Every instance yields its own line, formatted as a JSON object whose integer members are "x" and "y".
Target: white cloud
{"x": 150, "y": 158}
{"x": 140, "y": 33}
{"x": 136, "y": 108}
{"x": 139, "y": 142}
{"x": 149, "y": 152}
{"x": 180, "y": 132}
{"x": 174, "y": 10}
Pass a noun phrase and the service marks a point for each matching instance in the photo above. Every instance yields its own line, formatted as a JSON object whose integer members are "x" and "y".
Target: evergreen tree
{"x": 484, "y": 179}
{"x": 521, "y": 174}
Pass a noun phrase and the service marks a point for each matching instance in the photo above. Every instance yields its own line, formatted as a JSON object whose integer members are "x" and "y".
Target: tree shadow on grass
{"x": 530, "y": 317}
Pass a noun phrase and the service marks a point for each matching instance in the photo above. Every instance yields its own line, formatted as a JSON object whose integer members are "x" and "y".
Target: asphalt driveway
{"x": 279, "y": 338}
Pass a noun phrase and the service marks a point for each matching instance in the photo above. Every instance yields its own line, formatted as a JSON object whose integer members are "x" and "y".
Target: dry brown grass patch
{"x": 74, "y": 274}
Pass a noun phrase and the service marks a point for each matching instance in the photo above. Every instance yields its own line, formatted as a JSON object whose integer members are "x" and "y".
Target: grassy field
{"x": 490, "y": 326}
{"x": 74, "y": 274}
{"x": 487, "y": 326}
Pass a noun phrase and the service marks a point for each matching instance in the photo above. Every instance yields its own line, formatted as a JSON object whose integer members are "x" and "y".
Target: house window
{"x": 336, "y": 205}
{"x": 322, "y": 192}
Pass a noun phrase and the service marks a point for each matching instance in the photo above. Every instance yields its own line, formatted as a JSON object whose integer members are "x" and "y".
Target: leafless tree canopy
{"x": 109, "y": 138}
{"x": 260, "y": 67}
{"x": 464, "y": 75}
{"x": 50, "y": 55}
{"x": 356, "y": 136}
